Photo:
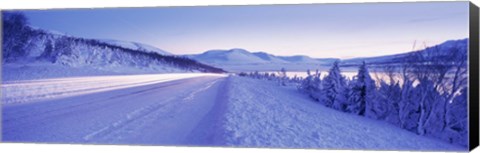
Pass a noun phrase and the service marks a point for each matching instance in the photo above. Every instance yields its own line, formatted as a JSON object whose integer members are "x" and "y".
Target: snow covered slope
{"x": 264, "y": 114}
{"x": 243, "y": 60}
{"x": 29, "y": 48}
{"x": 136, "y": 46}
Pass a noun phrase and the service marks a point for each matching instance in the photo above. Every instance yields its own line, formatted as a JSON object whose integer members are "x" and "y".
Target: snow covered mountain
{"x": 232, "y": 56}
{"x": 442, "y": 48}
{"x": 243, "y": 60}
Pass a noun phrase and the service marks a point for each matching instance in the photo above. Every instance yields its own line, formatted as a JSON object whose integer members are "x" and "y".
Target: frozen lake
{"x": 377, "y": 76}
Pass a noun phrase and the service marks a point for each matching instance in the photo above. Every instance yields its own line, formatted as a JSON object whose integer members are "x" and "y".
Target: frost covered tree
{"x": 316, "y": 86}
{"x": 449, "y": 79}
{"x": 16, "y": 34}
{"x": 317, "y": 80}
{"x": 272, "y": 76}
{"x": 256, "y": 75}
{"x": 333, "y": 89}
{"x": 305, "y": 85}
{"x": 408, "y": 107}
{"x": 308, "y": 86}
{"x": 388, "y": 93}
{"x": 456, "y": 129}
{"x": 430, "y": 68}
{"x": 428, "y": 100}
{"x": 454, "y": 84}
{"x": 282, "y": 77}
{"x": 362, "y": 94}
{"x": 424, "y": 93}
{"x": 48, "y": 52}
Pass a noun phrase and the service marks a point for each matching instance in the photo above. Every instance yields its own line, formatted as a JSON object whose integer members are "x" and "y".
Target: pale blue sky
{"x": 321, "y": 30}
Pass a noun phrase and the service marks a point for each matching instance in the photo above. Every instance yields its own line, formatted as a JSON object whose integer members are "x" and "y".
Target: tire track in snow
{"x": 191, "y": 95}
{"x": 34, "y": 90}
{"x": 88, "y": 104}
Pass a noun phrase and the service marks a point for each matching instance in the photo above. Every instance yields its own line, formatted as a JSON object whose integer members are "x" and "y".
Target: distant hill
{"x": 443, "y": 48}
{"x": 243, "y": 60}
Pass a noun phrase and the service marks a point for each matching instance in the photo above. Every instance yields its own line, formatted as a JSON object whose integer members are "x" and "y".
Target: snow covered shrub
{"x": 243, "y": 74}
{"x": 456, "y": 130}
{"x": 295, "y": 79}
{"x": 312, "y": 85}
{"x": 408, "y": 107}
{"x": 429, "y": 100}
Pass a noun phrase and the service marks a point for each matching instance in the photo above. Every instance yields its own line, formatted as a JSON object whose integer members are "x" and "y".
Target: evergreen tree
{"x": 305, "y": 82}
{"x": 362, "y": 94}
{"x": 333, "y": 88}
{"x": 316, "y": 84}
{"x": 389, "y": 94}
{"x": 305, "y": 86}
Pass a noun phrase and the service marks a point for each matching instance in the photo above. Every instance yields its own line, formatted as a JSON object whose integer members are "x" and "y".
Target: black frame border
{"x": 473, "y": 77}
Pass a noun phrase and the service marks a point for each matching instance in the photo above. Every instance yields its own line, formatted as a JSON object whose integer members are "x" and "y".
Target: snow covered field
{"x": 189, "y": 109}
{"x": 263, "y": 114}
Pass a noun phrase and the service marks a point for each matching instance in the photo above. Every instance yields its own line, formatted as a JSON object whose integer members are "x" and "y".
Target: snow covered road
{"x": 137, "y": 109}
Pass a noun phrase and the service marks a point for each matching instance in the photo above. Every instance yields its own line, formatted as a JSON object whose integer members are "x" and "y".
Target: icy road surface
{"x": 135, "y": 109}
